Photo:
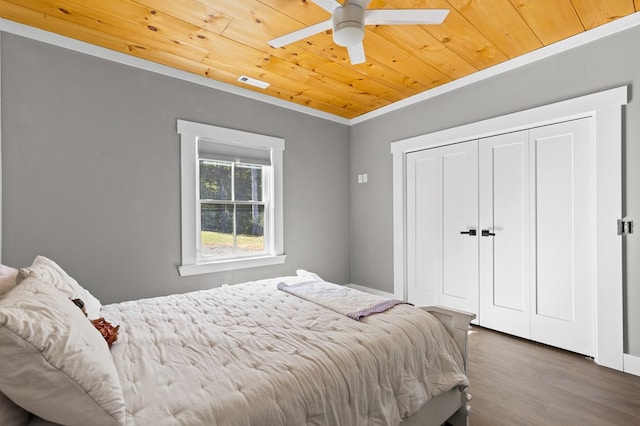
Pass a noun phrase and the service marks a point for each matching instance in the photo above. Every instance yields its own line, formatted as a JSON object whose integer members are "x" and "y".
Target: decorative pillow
{"x": 54, "y": 362}
{"x": 107, "y": 330}
{"x": 8, "y": 276}
{"x": 49, "y": 272}
{"x": 11, "y": 414}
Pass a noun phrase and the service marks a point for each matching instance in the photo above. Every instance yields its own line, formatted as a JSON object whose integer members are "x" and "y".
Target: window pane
{"x": 215, "y": 180}
{"x": 250, "y": 229}
{"x": 216, "y": 236}
{"x": 248, "y": 184}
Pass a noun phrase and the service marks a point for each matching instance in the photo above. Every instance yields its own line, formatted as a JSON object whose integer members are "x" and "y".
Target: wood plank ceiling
{"x": 223, "y": 39}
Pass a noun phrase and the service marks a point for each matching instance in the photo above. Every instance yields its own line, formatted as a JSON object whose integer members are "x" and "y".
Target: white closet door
{"x": 424, "y": 239}
{"x": 459, "y": 213}
{"x": 442, "y": 202}
{"x": 563, "y": 166}
{"x": 504, "y": 216}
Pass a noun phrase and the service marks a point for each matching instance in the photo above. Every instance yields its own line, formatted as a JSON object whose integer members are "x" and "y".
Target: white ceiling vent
{"x": 253, "y": 82}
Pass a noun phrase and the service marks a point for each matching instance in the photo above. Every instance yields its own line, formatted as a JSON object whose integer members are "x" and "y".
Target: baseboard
{"x": 371, "y": 290}
{"x": 632, "y": 364}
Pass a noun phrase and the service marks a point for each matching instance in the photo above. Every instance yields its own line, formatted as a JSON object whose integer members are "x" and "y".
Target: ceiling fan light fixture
{"x": 348, "y": 25}
{"x": 348, "y": 21}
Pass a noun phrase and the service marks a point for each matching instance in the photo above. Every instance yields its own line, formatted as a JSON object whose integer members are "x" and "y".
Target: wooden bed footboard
{"x": 457, "y": 324}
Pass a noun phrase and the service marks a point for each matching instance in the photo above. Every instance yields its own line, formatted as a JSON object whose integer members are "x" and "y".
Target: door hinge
{"x": 625, "y": 227}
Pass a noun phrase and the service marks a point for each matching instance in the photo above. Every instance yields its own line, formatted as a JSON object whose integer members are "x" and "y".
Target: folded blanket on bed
{"x": 343, "y": 300}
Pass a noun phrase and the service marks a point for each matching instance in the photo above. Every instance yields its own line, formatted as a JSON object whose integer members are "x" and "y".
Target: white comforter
{"x": 252, "y": 355}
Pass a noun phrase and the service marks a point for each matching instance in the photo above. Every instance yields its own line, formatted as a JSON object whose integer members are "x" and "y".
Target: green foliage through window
{"x": 231, "y": 207}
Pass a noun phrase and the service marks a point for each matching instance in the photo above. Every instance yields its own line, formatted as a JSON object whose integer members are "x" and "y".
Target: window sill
{"x": 230, "y": 265}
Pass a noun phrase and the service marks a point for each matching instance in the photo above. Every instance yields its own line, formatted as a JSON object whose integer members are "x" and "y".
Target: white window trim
{"x": 190, "y": 133}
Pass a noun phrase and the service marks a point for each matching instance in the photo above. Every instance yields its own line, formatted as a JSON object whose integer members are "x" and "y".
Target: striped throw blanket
{"x": 343, "y": 300}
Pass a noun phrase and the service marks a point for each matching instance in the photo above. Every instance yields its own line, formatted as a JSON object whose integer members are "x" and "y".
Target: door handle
{"x": 486, "y": 233}
{"x": 470, "y": 232}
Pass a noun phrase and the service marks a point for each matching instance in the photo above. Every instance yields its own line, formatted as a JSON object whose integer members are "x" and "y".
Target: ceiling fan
{"x": 348, "y": 20}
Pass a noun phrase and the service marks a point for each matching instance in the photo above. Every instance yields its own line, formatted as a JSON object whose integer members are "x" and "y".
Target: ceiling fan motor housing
{"x": 348, "y": 25}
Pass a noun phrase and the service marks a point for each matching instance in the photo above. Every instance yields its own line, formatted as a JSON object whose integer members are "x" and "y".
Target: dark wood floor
{"x": 517, "y": 382}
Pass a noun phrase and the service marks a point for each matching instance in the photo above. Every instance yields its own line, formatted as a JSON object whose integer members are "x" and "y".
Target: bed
{"x": 246, "y": 354}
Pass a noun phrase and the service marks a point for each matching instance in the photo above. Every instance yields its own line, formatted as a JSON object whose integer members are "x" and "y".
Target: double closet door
{"x": 504, "y": 227}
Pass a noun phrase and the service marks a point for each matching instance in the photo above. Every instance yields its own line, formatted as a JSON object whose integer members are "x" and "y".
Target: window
{"x": 232, "y": 209}
{"x": 231, "y": 199}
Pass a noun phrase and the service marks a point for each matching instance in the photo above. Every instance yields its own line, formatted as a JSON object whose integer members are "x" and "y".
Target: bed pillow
{"x": 8, "y": 276}
{"x": 49, "y": 272}
{"x": 55, "y": 364}
{"x": 12, "y": 414}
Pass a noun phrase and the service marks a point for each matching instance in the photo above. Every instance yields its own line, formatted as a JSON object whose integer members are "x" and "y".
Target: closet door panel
{"x": 424, "y": 235}
{"x": 504, "y": 211}
{"x": 554, "y": 227}
{"x": 509, "y": 225}
{"x": 459, "y": 177}
{"x": 562, "y": 289}
{"x": 442, "y": 202}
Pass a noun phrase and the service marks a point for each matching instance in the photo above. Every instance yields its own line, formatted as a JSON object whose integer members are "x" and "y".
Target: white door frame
{"x": 606, "y": 109}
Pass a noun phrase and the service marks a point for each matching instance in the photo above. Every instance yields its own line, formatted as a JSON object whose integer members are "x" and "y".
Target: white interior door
{"x": 424, "y": 239}
{"x": 563, "y": 165}
{"x": 442, "y": 214}
{"x": 504, "y": 228}
{"x": 459, "y": 218}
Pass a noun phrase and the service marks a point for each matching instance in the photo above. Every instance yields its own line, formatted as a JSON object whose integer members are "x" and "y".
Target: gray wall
{"x": 603, "y": 64}
{"x": 91, "y": 173}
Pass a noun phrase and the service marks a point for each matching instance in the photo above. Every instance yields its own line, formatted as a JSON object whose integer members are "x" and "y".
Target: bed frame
{"x": 451, "y": 407}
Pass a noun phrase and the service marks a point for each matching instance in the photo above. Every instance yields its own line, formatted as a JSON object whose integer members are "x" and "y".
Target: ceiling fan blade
{"x": 356, "y": 54}
{"x": 404, "y": 16}
{"x": 327, "y": 5}
{"x": 301, "y": 34}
